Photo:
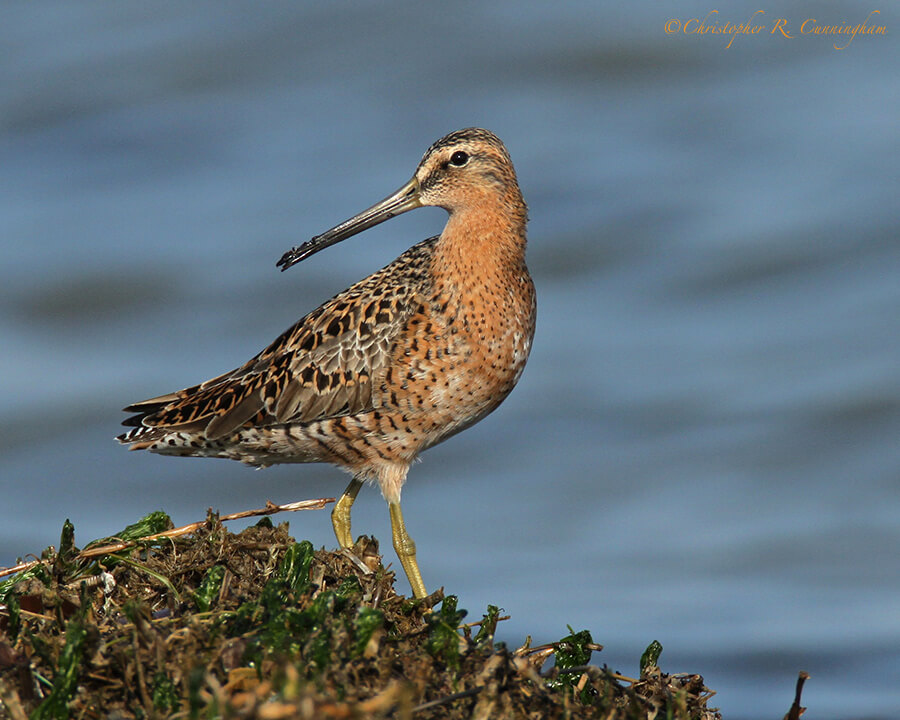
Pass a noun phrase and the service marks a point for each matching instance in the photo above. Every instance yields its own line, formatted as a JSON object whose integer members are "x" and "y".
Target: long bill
{"x": 406, "y": 198}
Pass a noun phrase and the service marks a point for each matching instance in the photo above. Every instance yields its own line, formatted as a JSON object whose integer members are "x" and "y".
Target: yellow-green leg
{"x": 340, "y": 515}
{"x": 406, "y": 550}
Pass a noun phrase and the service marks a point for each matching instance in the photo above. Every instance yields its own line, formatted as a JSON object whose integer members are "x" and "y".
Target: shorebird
{"x": 398, "y": 362}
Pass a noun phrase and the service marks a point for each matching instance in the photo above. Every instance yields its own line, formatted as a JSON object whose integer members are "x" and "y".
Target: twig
{"x": 34, "y": 615}
{"x": 623, "y": 678}
{"x": 448, "y": 699}
{"x": 139, "y": 671}
{"x": 796, "y": 711}
{"x": 18, "y": 568}
{"x": 269, "y": 509}
{"x": 356, "y": 560}
{"x": 590, "y": 669}
{"x": 9, "y": 699}
{"x": 481, "y": 622}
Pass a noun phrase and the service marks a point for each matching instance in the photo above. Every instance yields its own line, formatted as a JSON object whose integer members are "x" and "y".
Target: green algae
{"x": 254, "y": 624}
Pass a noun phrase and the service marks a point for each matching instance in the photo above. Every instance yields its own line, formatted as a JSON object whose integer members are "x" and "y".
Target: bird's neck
{"x": 484, "y": 239}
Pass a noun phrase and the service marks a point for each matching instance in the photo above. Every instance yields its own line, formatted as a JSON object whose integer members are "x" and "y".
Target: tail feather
{"x": 155, "y": 403}
{"x": 144, "y": 434}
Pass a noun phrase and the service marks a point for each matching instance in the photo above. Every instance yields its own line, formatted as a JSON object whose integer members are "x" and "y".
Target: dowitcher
{"x": 395, "y": 364}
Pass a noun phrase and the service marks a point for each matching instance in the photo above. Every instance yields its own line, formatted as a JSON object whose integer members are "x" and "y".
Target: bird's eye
{"x": 459, "y": 158}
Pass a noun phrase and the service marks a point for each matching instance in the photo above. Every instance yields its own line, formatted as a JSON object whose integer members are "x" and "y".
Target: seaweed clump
{"x": 256, "y": 625}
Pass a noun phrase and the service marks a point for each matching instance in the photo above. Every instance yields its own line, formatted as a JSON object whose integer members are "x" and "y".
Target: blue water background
{"x": 704, "y": 447}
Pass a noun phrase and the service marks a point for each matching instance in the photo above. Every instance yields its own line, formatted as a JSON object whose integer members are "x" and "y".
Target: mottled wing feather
{"x": 321, "y": 367}
{"x": 250, "y": 403}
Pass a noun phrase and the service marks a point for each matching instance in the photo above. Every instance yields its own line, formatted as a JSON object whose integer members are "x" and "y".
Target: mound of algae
{"x": 256, "y": 625}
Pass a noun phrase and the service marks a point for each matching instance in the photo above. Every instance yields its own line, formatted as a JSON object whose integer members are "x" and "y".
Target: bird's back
{"x": 323, "y": 367}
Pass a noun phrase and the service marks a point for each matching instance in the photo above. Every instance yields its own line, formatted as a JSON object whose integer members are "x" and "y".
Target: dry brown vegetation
{"x": 256, "y": 625}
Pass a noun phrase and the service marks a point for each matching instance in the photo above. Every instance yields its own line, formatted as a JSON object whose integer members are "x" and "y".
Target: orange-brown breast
{"x": 463, "y": 351}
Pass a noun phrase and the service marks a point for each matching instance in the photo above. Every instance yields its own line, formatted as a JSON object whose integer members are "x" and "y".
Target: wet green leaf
{"x": 165, "y": 693}
{"x": 348, "y": 588}
{"x": 13, "y": 610}
{"x": 443, "y": 635}
{"x": 488, "y": 626}
{"x": 156, "y": 522}
{"x": 367, "y": 621}
{"x": 209, "y": 588}
{"x": 650, "y": 657}
{"x": 65, "y": 556}
{"x": 65, "y": 681}
{"x": 67, "y": 540}
{"x": 572, "y": 651}
{"x": 318, "y": 649}
{"x": 196, "y": 681}
{"x": 151, "y": 524}
{"x": 294, "y": 567}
